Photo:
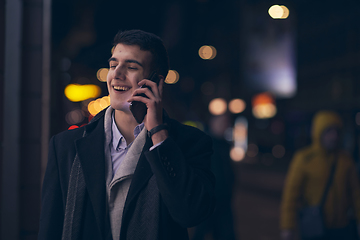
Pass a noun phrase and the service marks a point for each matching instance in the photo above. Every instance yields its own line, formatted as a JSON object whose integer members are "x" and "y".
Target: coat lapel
{"x": 142, "y": 172}
{"x": 141, "y": 176}
{"x": 90, "y": 150}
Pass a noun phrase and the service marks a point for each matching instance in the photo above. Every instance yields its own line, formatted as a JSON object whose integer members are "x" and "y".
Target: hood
{"x": 321, "y": 121}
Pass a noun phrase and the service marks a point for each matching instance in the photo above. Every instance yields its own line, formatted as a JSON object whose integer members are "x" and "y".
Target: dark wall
{"x": 2, "y": 68}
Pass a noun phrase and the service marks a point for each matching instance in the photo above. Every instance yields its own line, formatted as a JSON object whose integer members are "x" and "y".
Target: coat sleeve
{"x": 291, "y": 193}
{"x": 52, "y": 212}
{"x": 184, "y": 179}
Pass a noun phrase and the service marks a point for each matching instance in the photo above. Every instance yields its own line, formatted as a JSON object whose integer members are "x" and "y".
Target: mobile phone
{"x": 139, "y": 109}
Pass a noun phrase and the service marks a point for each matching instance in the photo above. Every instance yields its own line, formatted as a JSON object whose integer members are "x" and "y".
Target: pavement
{"x": 256, "y": 202}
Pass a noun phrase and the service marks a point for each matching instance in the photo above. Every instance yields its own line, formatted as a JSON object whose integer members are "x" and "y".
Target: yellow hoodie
{"x": 308, "y": 174}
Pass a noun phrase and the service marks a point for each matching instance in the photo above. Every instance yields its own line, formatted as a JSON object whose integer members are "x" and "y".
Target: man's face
{"x": 330, "y": 138}
{"x": 128, "y": 65}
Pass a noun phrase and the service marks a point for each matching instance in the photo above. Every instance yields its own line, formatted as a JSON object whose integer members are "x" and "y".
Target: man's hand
{"x": 153, "y": 102}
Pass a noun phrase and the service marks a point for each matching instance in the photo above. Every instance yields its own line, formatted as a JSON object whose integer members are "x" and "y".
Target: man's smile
{"x": 121, "y": 88}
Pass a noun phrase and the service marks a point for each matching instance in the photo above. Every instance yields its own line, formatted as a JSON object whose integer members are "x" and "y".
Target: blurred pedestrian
{"x": 310, "y": 174}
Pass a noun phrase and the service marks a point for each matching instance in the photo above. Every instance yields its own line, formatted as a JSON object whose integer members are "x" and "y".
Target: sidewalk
{"x": 256, "y": 202}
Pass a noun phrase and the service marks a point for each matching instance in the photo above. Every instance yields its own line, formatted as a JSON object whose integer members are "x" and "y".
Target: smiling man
{"x": 117, "y": 179}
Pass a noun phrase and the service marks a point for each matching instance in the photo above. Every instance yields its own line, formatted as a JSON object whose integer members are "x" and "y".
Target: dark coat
{"x": 181, "y": 165}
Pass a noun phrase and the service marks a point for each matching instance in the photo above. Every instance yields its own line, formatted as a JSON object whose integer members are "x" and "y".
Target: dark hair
{"x": 147, "y": 42}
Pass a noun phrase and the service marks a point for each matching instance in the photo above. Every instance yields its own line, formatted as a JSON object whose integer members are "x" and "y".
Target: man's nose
{"x": 120, "y": 72}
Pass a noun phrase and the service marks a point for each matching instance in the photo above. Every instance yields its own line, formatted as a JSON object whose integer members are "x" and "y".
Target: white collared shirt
{"x": 118, "y": 144}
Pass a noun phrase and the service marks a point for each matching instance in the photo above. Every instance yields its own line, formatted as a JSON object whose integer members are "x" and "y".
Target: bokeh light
{"x": 240, "y": 132}
{"x": 237, "y": 105}
{"x": 217, "y": 106}
{"x": 279, "y": 12}
{"x": 286, "y": 12}
{"x": 172, "y": 77}
{"x": 264, "y": 111}
{"x": 278, "y": 151}
{"x": 207, "y": 52}
{"x": 263, "y": 106}
{"x": 91, "y": 108}
{"x": 77, "y": 92}
{"x": 73, "y": 127}
{"x": 102, "y": 74}
{"x": 237, "y": 154}
{"x": 94, "y": 107}
{"x": 276, "y": 11}
{"x": 74, "y": 117}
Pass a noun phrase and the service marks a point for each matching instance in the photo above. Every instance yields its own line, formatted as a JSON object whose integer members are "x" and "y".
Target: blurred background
{"x": 251, "y": 73}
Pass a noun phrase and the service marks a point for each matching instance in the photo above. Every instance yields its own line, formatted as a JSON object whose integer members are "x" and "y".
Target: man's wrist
{"x": 159, "y": 136}
{"x": 156, "y": 129}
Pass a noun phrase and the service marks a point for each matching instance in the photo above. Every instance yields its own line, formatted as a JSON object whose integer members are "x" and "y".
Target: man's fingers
{"x": 149, "y": 94}
{"x": 139, "y": 99}
{"x": 153, "y": 86}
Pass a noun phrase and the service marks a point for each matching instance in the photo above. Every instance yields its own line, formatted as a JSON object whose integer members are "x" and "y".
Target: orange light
{"x": 237, "y": 154}
{"x": 262, "y": 98}
{"x": 94, "y": 107}
{"x": 237, "y": 106}
{"x": 97, "y": 105}
{"x": 217, "y": 106}
{"x": 263, "y": 106}
{"x": 103, "y": 103}
{"x": 286, "y": 12}
{"x": 91, "y": 108}
{"x": 172, "y": 77}
{"x": 102, "y": 74}
{"x": 207, "y": 52}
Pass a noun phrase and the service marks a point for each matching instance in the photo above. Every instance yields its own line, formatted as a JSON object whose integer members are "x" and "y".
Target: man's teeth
{"x": 121, "y": 88}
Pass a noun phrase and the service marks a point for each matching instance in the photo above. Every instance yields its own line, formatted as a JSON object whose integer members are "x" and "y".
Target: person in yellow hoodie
{"x": 308, "y": 175}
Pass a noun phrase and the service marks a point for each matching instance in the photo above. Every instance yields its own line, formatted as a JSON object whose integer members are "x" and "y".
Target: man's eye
{"x": 112, "y": 66}
{"x": 132, "y": 68}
